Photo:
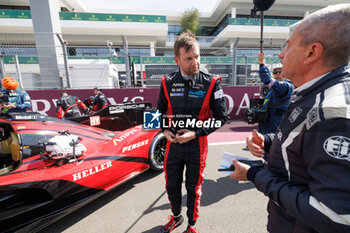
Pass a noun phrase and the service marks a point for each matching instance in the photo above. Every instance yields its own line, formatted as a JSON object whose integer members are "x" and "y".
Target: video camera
{"x": 4, "y": 98}
{"x": 255, "y": 113}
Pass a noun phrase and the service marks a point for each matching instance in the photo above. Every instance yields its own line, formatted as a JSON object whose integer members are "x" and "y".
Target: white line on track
{"x": 225, "y": 143}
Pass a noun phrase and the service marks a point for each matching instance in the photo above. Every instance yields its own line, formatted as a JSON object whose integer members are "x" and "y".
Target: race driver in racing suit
{"x": 188, "y": 96}
{"x": 309, "y": 156}
{"x": 307, "y": 178}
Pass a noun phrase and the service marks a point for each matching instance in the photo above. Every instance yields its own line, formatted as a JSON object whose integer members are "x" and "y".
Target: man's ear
{"x": 314, "y": 52}
{"x": 177, "y": 60}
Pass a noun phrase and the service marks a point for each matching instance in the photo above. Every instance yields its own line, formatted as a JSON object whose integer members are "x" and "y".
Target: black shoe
{"x": 172, "y": 224}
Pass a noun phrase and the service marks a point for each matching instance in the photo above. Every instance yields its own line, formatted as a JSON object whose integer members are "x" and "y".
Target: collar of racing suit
{"x": 302, "y": 91}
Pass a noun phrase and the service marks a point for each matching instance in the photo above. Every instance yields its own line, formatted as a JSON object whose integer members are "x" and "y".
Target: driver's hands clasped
{"x": 170, "y": 136}
{"x": 185, "y": 135}
{"x": 181, "y": 136}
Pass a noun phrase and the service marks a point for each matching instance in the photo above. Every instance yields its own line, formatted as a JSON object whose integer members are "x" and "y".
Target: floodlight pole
{"x": 234, "y": 62}
{"x": 127, "y": 62}
{"x": 19, "y": 75}
{"x": 2, "y": 67}
{"x": 65, "y": 59}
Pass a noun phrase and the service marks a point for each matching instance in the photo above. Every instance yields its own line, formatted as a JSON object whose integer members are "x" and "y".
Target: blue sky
{"x": 151, "y": 5}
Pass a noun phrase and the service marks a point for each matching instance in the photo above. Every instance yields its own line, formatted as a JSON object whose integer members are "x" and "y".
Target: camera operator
{"x": 13, "y": 100}
{"x": 277, "y": 99}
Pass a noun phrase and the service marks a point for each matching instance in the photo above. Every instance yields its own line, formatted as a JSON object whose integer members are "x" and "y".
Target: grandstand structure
{"x": 64, "y": 44}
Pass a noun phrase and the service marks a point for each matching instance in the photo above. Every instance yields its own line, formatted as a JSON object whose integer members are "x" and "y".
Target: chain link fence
{"x": 48, "y": 61}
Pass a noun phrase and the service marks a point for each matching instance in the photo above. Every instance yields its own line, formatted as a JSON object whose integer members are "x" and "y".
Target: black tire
{"x": 157, "y": 152}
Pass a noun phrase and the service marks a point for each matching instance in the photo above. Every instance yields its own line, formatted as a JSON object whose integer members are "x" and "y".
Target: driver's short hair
{"x": 186, "y": 40}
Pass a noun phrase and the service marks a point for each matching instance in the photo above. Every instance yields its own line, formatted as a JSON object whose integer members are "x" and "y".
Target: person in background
{"x": 18, "y": 100}
{"x": 89, "y": 102}
{"x": 188, "y": 94}
{"x": 100, "y": 101}
{"x": 277, "y": 98}
{"x": 307, "y": 178}
{"x": 68, "y": 106}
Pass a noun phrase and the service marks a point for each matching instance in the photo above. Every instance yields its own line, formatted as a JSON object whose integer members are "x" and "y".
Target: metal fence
{"x": 48, "y": 61}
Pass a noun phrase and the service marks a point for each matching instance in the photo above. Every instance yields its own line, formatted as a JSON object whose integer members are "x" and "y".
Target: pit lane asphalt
{"x": 141, "y": 204}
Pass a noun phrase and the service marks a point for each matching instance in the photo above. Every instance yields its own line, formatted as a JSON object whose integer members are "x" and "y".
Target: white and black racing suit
{"x": 189, "y": 101}
{"x": 308, "y": 173}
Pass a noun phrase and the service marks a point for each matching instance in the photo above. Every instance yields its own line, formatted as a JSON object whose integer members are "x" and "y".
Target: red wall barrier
{"x": 44, "y": 101}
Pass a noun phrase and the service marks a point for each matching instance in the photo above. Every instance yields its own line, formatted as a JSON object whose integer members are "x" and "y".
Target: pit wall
{"x": 44, "y": 101}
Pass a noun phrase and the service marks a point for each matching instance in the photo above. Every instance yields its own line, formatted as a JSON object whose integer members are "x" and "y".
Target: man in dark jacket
{"x": 186, "y": 99}
{"x": 277, "y": 99}
{"x": 308, "y": 175}
{"x": 68, "y": 106}
{"x": 100, "y": 100}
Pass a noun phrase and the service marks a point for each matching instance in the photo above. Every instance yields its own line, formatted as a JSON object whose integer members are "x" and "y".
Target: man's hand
{"x": 185, "y": 135}
{"x": 255, "y": 143}
{"x": 241, "y": 170}
{"x": 170, "y": 136}
{"x": 261, "y": 58}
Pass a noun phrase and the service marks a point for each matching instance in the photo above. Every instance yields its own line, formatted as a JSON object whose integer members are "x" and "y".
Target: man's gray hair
{"x": 330, "y": 27}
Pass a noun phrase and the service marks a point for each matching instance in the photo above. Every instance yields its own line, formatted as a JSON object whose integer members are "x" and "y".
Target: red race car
{"x": 49, "y": 167}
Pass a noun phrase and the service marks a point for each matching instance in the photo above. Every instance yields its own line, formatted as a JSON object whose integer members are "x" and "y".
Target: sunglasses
{"x": 277, "y": 72}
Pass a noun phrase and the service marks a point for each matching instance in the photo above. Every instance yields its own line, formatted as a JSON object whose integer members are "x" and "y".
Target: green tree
{"x": 190, "y": 21}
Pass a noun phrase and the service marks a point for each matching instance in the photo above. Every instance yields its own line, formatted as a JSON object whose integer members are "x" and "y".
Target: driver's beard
{"x": 190, "y": 72}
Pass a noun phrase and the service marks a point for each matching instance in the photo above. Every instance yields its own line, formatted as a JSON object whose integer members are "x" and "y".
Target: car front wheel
{"x": 157, "y": 152}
